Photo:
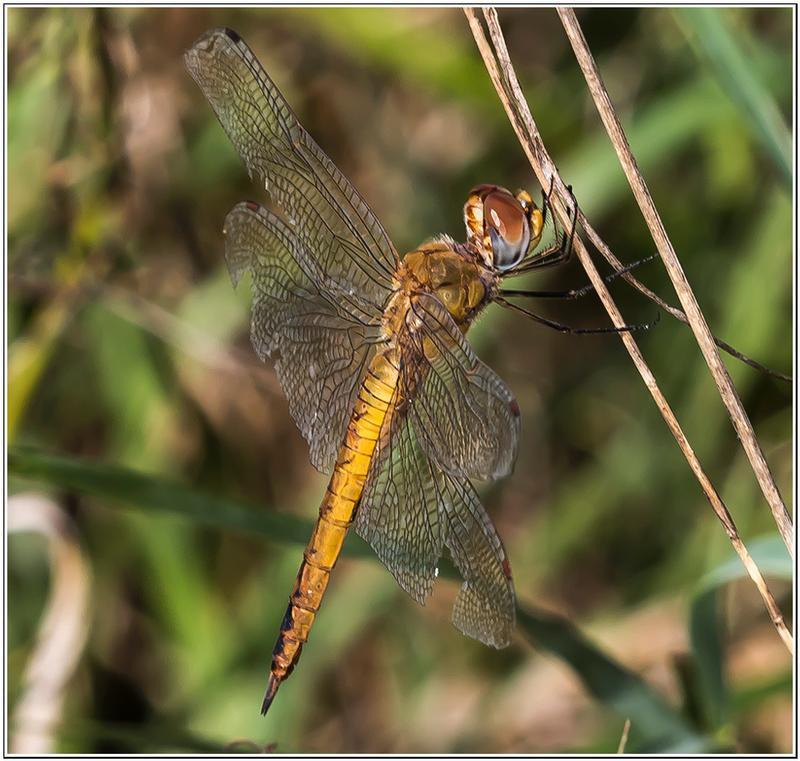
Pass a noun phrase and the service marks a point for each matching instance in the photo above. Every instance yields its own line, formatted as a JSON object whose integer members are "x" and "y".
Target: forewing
{"x": 329, "y": 217}
{"x": 466, "y": 417}
{"x": 411, "y": 509}
{"x": 319, "y": 345}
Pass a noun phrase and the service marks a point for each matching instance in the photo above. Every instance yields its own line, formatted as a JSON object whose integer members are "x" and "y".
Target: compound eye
{"x": 508, "y": 228}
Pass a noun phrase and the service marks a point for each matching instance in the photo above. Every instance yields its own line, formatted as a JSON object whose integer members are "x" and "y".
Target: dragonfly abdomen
{"x": 336, "y": 513}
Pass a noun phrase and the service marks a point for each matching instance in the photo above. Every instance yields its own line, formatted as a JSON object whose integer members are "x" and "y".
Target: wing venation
{"x": 321, "y": 342}
{"x": 467, "y": 417}
{"x": 329, "y": 217}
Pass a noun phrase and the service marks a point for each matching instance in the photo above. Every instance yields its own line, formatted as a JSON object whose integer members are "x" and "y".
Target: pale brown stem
{"x": 697, "y": 322}
{"x": 63, "y": 630}
{"x": 510, "y": 93}
{"x": 623, "y": 740}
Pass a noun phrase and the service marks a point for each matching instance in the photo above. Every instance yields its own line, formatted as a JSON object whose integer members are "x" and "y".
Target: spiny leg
{"x": 576, "y": 293}
{"x": 555, "y": 254}
{"x": 561, "y": 328}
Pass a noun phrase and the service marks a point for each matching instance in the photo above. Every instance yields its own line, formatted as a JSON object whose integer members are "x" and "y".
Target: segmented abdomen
{"x": 335, "y": 516}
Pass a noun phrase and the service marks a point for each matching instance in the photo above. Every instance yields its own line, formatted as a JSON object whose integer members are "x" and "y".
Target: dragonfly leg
{"x": 557, "y": 253}
{"x": 561, "y": 328}
{"x": 576, "y": 293}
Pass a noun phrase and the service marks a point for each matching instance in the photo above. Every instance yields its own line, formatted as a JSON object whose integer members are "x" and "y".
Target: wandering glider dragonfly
{"x": 369, "y": 347}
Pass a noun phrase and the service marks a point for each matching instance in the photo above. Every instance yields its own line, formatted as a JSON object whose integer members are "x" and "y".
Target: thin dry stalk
{"x": 508, "y": 89}
{"x": 63, "y": 630}
{"x": 623, "y": 740}
{"x": 697, "y": 322}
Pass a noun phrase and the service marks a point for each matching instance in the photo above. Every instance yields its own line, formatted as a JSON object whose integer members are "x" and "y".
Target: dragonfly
{"x": 370, "y": 349}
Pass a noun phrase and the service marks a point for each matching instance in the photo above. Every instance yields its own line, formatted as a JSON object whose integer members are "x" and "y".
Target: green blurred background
{"x": 134, "y": 394}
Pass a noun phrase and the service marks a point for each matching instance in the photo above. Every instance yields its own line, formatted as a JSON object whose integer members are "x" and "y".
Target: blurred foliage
{"x": 130, "y": 370}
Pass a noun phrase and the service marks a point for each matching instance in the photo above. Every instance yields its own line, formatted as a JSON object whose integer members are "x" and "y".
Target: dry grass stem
{"x": 623, "y": 740}
{"x": 505, "y": 81}
{"x": 697, "y": 322}
{"x": 64, "y": 628}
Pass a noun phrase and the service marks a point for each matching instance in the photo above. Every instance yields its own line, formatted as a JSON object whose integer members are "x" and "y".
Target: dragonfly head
{"x": 501, "y": 226}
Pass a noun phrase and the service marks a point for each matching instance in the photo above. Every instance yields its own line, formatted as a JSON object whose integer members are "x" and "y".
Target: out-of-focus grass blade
{"x": 715, "y": 41}
{"x": 707, "y": 639}
{"x": 769, "y": 554}
{"x": 28, "y": 357}
{"x": 751, "y": 697}
{"x": 708, "y": 647}
{"x": 655, "y": 726}
{"x": 657, "y": 133}
{"x": 39, "y": 113}
{"x": 384, "y": 37}
{"x": 122, "y": 486}
{"x": 162, "y": 737}
{"x": 662, "y": 128}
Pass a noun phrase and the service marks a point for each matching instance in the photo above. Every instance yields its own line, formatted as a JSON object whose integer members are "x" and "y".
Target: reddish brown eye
{"x": 508, "y": 228}
{"x": 504, "y": 214}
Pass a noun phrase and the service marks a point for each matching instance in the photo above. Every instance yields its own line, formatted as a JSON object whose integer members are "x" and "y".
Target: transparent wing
{"x": 485, "y": 606}
{"x": 321, "y": 341}
{"x": 466, "y": 417}
{"x": 399, "y": 512}
{"x": 411, "y": 509}
{"x": 327, "y": 214}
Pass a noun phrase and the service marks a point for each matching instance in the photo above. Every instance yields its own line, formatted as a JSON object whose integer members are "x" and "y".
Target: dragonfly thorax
{"x": 450, "y": 272}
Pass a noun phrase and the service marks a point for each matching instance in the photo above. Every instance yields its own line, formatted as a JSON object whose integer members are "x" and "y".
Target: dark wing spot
{"x": 252, "y": 205}
{"x": 233, "y": 35}
{"x": 506, "y": 568}
{"x": 513, "y": 405}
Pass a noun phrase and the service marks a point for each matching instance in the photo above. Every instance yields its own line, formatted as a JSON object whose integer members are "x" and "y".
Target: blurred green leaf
{"x": 769, "y": 554}
{"x": 655, "y": 726}
{"x": 380, "y": 37}
{"x": 38, "y": 114}
{"x": 755, "y": 695}
{"x": 122, "y": 486}
{"x": 705, "y": 621}
{"x": 164, "y": 736}
{"x": 708, "y": 648}
{"x": 28, "y": 357}
{"x": 662, "y": 128}
{"x": 716, "y": 42}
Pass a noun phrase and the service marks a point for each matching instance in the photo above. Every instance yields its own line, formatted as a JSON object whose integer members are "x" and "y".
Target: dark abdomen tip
{"x": 269, "y": 695}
